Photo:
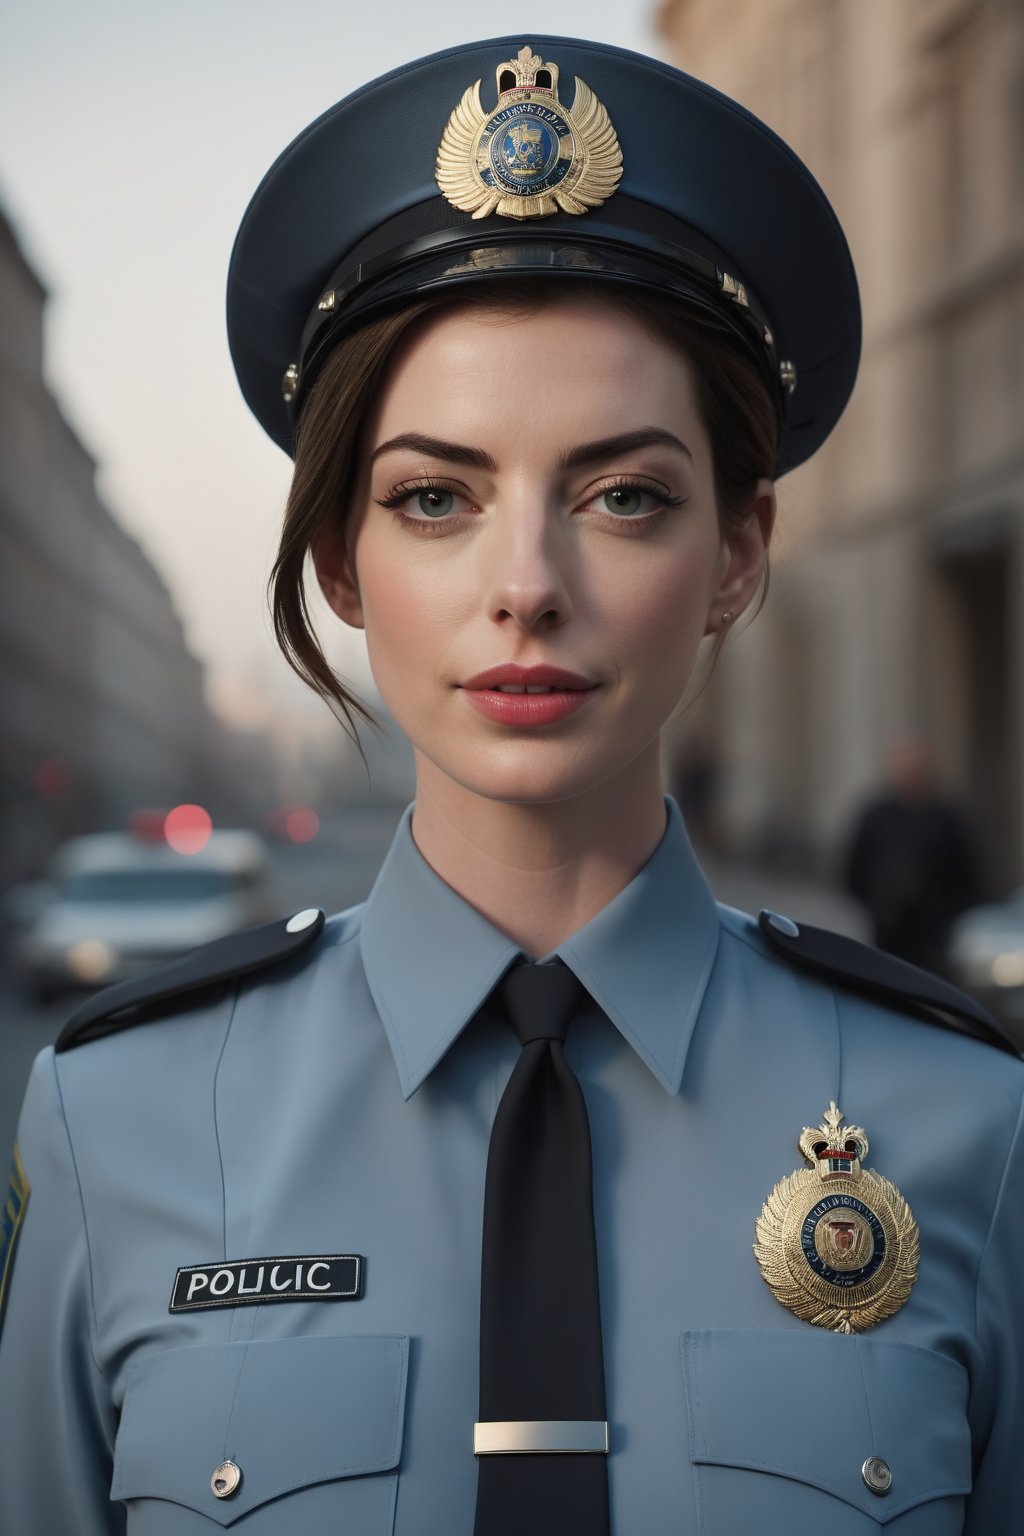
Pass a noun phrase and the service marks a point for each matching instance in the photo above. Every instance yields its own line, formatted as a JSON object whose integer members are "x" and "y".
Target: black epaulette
{"x": 873, "y": 972}
{"x": 145, "y": 997}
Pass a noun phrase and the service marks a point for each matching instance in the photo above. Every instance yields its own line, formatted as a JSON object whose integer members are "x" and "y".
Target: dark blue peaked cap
{"x": 712, "y": 206}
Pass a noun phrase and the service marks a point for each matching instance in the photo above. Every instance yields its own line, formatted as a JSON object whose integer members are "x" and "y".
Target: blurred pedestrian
{"x": 912, "y": 860}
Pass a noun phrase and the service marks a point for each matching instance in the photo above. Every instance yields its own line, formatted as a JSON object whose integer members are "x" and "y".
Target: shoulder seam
{"x": 216, "y": 1119}
{"x": 93, "y": 1324}
{"x": 758, "y": 947}
{"x": 344, "y": 938}
{"x": 996, "y": 1206}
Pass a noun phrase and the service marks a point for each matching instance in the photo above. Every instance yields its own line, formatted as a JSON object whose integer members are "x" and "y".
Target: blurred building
{"x": 101, "y": 702}
{"x": 896, "y": 597}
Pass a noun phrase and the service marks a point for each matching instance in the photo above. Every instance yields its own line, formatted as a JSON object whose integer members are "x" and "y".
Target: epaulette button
{"x": 782, "y": 924}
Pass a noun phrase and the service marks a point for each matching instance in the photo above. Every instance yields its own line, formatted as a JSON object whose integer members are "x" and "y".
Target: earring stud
{"x": 727, "y": 617}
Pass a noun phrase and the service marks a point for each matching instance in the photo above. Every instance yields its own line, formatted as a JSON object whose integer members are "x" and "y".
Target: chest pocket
{"x": 782, "y": 1424}
{"x": 314, "y": 1425}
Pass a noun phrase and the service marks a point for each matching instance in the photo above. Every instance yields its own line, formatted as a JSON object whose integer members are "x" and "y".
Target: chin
{"x": 528, "y": 773}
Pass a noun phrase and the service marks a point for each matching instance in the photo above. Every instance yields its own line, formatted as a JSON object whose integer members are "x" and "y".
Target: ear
{"x": 335, "y": 571}
{"x": 744, "y": 551}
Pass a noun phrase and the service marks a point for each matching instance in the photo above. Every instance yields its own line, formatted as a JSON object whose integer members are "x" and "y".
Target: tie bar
{"x": 518, "y": 1437}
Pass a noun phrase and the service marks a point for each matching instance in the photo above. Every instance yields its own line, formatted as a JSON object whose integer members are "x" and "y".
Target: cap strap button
{"x": 290, "y": 382}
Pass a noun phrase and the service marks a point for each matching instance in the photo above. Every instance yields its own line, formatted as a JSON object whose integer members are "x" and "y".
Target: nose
{"x": 526, "y": 572}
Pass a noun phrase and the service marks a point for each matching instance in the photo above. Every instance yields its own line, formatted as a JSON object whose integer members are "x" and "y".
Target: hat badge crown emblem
{"x": 530, "y": 156}
{"x": 526, "y": 72}
{"x": 834, "y": 1150}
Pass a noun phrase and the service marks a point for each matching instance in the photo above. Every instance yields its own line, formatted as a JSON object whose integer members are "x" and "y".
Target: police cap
{"x": 552, "y": 156}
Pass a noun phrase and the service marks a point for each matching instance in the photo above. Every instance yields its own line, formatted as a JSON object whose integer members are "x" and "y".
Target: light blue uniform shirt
{"x": 342, "y": 1104}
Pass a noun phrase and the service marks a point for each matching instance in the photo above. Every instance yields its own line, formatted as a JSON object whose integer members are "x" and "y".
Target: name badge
{"x": 242, "y": 1282}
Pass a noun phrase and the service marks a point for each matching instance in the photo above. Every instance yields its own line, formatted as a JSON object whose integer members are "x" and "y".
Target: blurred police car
{"x": 122, "y": 903}
{"x": 986, "y": 956}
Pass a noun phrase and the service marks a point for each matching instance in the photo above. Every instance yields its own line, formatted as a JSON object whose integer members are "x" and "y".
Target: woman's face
{"x": 535, "y": 491}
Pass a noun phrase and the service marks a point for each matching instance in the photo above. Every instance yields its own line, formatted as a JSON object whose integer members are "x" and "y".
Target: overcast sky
{"x": 132, "y": 135}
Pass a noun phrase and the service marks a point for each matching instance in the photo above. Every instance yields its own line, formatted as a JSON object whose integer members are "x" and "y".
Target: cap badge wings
{"x": 530, "y": 156}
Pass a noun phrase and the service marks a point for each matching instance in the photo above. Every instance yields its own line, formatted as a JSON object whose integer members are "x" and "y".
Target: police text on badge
{"x": 241, "y": 1282}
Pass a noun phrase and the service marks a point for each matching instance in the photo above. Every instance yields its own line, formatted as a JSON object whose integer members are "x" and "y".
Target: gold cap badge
{"x": 531, "y": 155}
{"x": 837, "y": 1243}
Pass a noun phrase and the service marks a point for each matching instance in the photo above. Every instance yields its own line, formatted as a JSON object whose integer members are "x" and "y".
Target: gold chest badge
{"x": 837, "y": 1243}
{"x": 531, "y": 155}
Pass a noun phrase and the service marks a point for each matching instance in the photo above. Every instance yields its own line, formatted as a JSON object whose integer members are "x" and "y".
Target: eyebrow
{"x": 574, "y": 458}
{"x": 622, "y": 442}
{"x": 436, "y": 448}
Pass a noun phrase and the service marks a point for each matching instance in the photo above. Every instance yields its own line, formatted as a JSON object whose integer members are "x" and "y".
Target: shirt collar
{"x": 431, "y": 959}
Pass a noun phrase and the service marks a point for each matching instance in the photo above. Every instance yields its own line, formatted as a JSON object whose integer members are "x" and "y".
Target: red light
{"x": 187, "y": 828}
{"x": 302, "y": 825}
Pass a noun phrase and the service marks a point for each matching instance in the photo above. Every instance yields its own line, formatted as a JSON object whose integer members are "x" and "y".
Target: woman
{"x": 438, "y": 1216}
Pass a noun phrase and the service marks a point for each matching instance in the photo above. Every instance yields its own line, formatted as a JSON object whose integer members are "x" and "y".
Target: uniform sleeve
{"x": 56, "y": 1419}
{"x": 997, "y": 1406}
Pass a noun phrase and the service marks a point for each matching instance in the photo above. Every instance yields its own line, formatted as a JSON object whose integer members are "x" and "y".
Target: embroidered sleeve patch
{"x": 15, "y": 1201}
{"x": 241, "y": 1282}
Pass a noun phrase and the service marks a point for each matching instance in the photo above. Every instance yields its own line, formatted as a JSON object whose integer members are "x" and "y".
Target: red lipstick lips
{"x": 500, "y": 694}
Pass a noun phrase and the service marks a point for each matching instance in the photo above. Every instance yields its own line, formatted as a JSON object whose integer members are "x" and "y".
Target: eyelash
{"x": 405, "y": 490}
{"x": 637, "y": 525}
{"x": 397, "y": 497}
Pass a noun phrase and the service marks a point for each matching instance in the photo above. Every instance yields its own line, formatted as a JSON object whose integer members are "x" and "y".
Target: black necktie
{"x": 542, "y": 1438}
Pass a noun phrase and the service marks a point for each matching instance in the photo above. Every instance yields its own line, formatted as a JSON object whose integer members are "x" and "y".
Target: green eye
{"x": 435, "y": 503}
{"x": 624, "y": 500}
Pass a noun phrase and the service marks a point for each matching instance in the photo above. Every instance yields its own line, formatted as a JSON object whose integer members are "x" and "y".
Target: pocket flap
{"x": 289, "y": 1412}
{"x": 814, "y": 1406}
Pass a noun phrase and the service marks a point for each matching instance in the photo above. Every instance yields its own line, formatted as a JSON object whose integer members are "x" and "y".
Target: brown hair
{"x": 731, "y": 396}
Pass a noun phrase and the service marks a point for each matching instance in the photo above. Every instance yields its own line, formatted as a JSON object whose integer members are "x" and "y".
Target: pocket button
{"x": 227, "y": 1479}
{"x": 877, "y": 1475}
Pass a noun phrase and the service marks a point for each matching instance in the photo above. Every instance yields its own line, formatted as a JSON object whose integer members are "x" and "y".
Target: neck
{"x": 539, "y": 872}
